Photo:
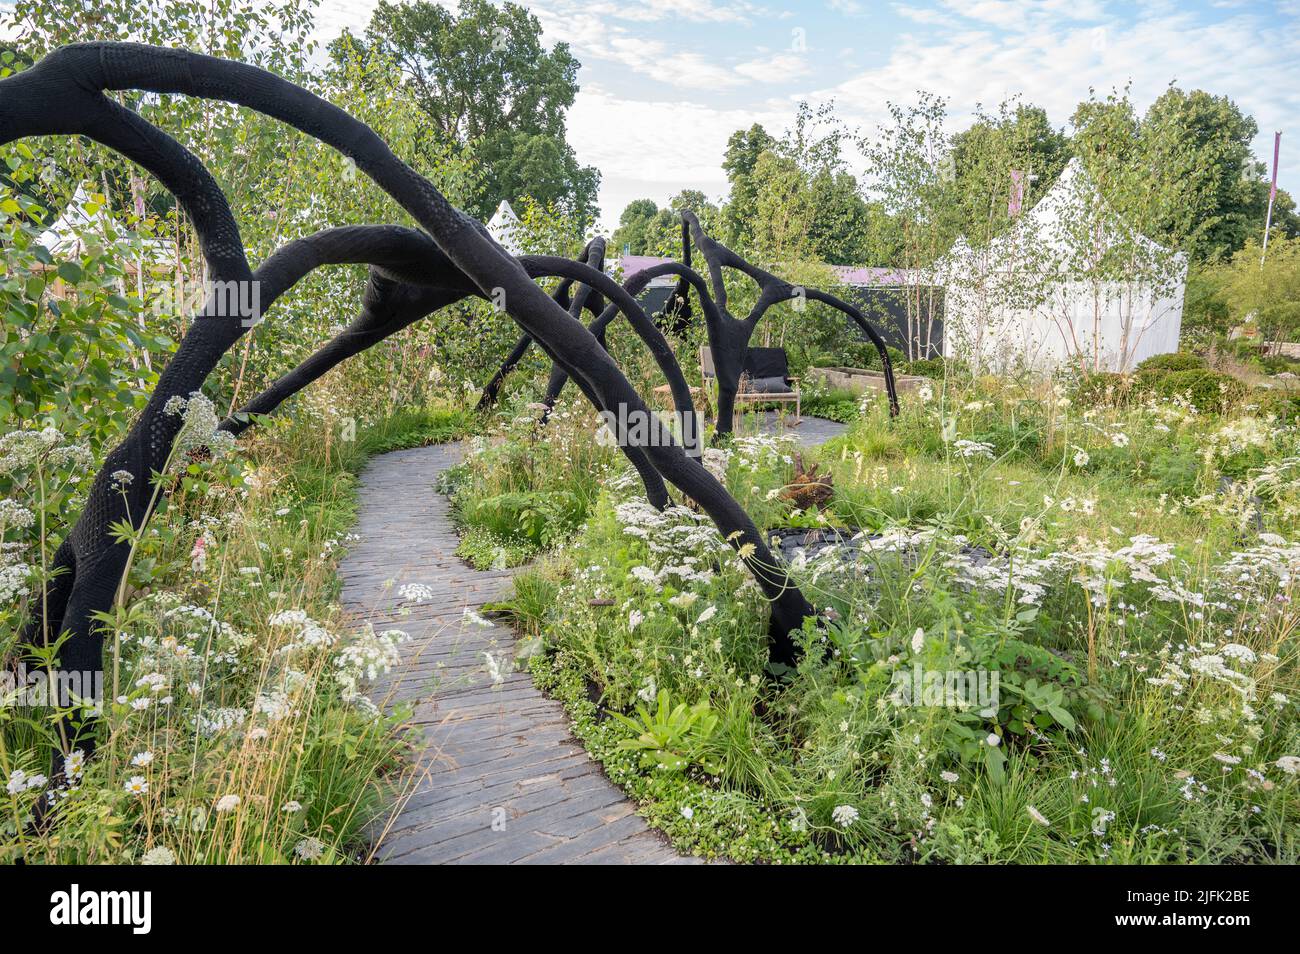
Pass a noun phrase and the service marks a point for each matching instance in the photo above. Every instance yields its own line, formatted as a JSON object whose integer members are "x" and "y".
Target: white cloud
{"x": 778, "y": 68}
{"x": 1053, "y": 63}
{"x": 651, "y": 11}
{"x": 654, "y": 149}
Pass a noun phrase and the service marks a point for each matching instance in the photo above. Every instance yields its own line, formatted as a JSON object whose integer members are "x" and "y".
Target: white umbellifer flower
{"x": 136, "y": 785}
{"x": 17, "y": 782}
{"x": 1227, "y": 759}
{"x": 967, "y": 448}
{"x": 1119, "y": 439}
{"x": 309, "y": 849}
{"x": 227, "y": 803}
{"x": 1081, "y": 457}
{"x": 844, "y": 815}
{"x": 495, "y": 668}
{"x": 291, "y": 807}
{"x": 415, "y": 592}
{"x": 993, "y": 740}
{"x": 14, "y": 514}
{"x": 1038, "y": 816}
{"x": 159, "y": 856}
{"x": 707, "y": 615}
{"x": 687, "y": 812}
{"x": 470, "y": 616}
{"x": 1238, "y": 652}
{"x": 635, "y": 619}
{"x": 949, "y": 777}
{"x": 918, "y": 640}
{"x": 1289, "y": 764}
{"x": 141, "y": 759}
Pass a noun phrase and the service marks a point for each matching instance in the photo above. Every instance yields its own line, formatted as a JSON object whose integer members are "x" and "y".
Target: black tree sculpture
{"x": 729, "y": 336}
{"x": 64, "y": 94}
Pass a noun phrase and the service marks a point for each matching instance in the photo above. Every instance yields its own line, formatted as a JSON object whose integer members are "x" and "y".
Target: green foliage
{"x": 671, "y": 737}
{"x": 507, "y": 110}
{"x": 793, "y": 200}
{"x": 542, "y": 518}
{"x": 73, "y": 346}
{"x": 1267, "y": 296}
{"x": 935, "y": 368}
{"x": 1176, "y": 361}
{"x": 1206, "y": 390}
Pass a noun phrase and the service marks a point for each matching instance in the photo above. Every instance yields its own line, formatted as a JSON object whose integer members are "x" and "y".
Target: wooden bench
{"x": 770, "y": 358}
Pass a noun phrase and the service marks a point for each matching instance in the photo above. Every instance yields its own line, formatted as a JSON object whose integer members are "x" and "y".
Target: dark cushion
{"x": 766, "y": 386}
{"x": 767, "y": 363}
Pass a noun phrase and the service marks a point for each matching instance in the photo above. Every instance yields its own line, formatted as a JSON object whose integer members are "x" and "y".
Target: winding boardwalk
{"x": 499, "y": 778}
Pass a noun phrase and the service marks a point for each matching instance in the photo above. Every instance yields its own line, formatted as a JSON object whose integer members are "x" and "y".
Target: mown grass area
{"x": 236, "y": 728}
{"x": 1123, "y": 566}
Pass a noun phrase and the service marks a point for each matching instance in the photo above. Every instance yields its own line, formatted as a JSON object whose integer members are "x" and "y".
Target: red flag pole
{"x": 1272, "y": 194}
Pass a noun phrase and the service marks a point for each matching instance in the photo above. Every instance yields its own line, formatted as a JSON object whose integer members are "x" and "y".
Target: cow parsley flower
{"x": 227, "y": 803}
{"x": 844, "y": 815}
{"x": 309, "y": 849}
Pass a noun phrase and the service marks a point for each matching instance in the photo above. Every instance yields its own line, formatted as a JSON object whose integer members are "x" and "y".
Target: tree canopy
{"x": 487, "y": 83}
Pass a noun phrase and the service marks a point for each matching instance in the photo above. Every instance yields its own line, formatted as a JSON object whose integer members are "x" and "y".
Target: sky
{"x": 665, "y": 82}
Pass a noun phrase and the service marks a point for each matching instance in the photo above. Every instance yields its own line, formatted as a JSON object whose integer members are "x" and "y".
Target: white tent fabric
{"x": 75, "y": 228}
{"x": 67, "y": 236}
{"x": 503, "y": 227}
{"x": 1032, "y": 297}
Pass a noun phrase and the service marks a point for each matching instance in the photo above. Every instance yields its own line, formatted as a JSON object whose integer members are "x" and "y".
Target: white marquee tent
{"x": 1034, "y": 296}
{"x": 76, "y": 228}
{"x": 502, "y": 227}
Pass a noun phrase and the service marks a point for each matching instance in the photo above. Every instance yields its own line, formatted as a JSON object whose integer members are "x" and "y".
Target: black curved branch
{"x": 389, "y": 305}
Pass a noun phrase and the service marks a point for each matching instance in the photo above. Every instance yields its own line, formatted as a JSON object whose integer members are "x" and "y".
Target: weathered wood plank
{"x": 499, "y": 779}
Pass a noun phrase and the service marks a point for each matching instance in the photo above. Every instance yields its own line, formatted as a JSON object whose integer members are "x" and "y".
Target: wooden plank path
{"x": 499, "y": 778}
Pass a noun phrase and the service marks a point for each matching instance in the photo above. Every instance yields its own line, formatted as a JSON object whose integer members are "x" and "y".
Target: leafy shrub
{"x": 1178, "y": 361}
{"x": 936, "y": 368}
{"x": 672, "y": 737}
{"x": 539, "y": 517}
{"x": 1285, "y": 404}
{"x": 832, "y": 409}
